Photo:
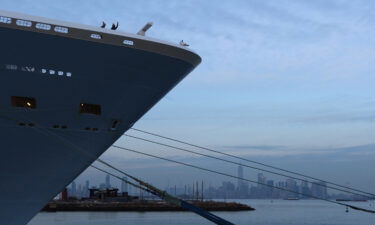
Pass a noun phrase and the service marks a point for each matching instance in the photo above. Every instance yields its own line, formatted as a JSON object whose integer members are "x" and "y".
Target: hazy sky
{"x": 285, "y": 82}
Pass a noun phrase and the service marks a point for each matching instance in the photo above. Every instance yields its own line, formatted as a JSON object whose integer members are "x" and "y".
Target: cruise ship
{"x": 67, "y": 93}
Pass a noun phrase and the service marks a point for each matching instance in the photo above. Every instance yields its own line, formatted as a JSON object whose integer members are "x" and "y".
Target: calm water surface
{"x": 276, "y": 212}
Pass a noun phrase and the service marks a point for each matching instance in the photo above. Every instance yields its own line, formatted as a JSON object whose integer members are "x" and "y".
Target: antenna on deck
{"x": 145, "y": 28}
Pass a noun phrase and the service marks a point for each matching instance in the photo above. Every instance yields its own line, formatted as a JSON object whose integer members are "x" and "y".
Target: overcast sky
{"x": 285, "y": 82}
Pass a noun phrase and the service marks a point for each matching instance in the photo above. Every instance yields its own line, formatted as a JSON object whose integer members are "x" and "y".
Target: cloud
{"x": 282, "y": 151}
{"x": 260, "y": 147}
{"x": 337, "y": 118}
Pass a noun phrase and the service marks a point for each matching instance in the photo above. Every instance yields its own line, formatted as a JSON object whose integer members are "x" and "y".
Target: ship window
{"x": 128, "y": 42}
{"x": 24, "y": 102}
{"x": 90, "y": 109}
{"x": 51, "y": 72}
{"x": 60, "y": 73}
{"x": 28, "y": 68}
{"x": 61, "y": 30}
{"x": 11, "y": 67}
{"x": 43, "y": 26}
{"x": 23, "y": 23}
{"x": 44, "y": 71}
{"x": 68, "y": 74}
{"x": 96, "y": 36}
{"x": 4, "y": 19}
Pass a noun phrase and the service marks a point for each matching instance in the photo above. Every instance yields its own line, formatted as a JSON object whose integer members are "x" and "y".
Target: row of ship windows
{"x": 84, "y": 108}
{"x": 29, "y": 102}
{"x": 56, "y": 126}
{"x": 53, "y": 72}
{"x": 42, "y": 26}
{"x": 32, "y": 69}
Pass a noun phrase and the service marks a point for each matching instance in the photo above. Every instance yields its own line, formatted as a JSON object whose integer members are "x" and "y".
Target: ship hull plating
{"x": 45, "y": 148}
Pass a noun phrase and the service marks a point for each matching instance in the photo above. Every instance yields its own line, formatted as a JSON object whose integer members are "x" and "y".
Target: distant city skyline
{"x": 273, "y": 189}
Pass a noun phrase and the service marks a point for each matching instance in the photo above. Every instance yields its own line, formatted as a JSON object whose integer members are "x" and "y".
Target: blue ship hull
{"x": 45, "y": 148}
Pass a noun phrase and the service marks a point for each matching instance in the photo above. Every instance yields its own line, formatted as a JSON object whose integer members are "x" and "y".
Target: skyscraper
{"x": 86, "y": 189}
{"x": 108, "y": 181}
{"x": 319, "y": 189}
{"x": 261, "y": 179}
{"x": 305, "y": 190}
{"x": 291, "y": 185}
{"x": 269, "y": 189}
{"x": 261, "y": 189}
{"x": 240, "y": 177}
{"x": 74, "y": 189}
{"x": 124, "y": 185}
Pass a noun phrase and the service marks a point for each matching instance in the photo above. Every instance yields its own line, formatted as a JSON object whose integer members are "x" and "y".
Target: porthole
{"x": 11, "y": 67}
{"x": 6, "y": 20}
{"x": 43, "y": 26}
{"x": 96, "y": 36}
{"x": 23, "y": 23}
{"x": 61, "y": 29}
{"x": 128, "y": 42}
{"x": 60, "y": 73}
{"x": 52, "y": 72}
{"x": 28, "y": 68}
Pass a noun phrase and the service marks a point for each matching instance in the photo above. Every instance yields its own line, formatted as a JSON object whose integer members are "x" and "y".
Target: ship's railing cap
{"x": 89, "y": 28}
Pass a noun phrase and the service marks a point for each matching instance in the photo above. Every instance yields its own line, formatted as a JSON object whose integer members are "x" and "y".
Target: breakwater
{"x": 140, "y": 206}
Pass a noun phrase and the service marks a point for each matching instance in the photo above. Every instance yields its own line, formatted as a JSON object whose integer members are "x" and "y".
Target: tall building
{"x": 305, "y": 190}
{"x": 261, "y": 189}
{"x": 73, "y": 191}
{"x": 291, "y": 185}
{"x": 269, "y": 188}
{"x": 240, "y": 177}
{"x": 242, "y": 186}
{"x": 261, "y": 179}
{"x": 108, "y": 181}
{"x": 124, "y": 185}
{"x": 79, "y": 191}
{"x": 86, "y": 189}
{"x": 281, "y": 193}
{"x": 319, "y": 189}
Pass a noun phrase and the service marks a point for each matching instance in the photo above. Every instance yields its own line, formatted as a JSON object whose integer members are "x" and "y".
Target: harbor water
{"x": 268, "y": 212}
